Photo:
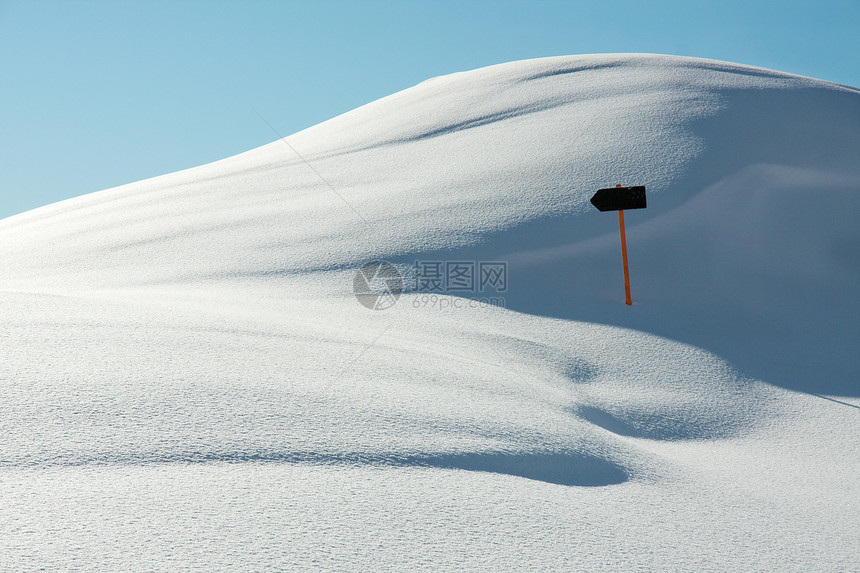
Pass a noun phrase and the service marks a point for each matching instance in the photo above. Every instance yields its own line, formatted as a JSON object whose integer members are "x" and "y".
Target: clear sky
{"x": 98, "y": 94}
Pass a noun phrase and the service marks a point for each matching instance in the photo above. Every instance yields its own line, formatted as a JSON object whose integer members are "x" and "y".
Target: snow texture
{"x": 188, "y": 382}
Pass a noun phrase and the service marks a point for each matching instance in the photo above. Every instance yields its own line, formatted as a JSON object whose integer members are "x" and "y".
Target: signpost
{"x": 619, "y": 198}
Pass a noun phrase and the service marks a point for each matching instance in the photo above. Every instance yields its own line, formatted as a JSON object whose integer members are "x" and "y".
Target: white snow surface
{"x": 188, "y": 382}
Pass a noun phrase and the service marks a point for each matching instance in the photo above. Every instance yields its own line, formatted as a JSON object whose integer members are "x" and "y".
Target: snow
{"x": 188, "y": 381}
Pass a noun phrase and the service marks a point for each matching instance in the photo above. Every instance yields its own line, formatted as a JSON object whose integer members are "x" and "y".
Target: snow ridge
{"x": 187, "y": 380}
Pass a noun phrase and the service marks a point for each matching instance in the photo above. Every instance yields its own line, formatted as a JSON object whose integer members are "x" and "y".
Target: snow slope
{"x": 188, "y": 381}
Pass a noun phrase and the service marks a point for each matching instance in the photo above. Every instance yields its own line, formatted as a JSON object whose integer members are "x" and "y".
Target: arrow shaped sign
{"x": 619, "y": 198}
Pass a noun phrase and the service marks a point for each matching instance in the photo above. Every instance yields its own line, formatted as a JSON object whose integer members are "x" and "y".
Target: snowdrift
{"x": 749, "y": 238}
{"x": 187, "y": 345}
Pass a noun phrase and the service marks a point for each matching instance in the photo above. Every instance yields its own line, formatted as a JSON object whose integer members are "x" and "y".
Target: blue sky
{"x": 98, "y": 94}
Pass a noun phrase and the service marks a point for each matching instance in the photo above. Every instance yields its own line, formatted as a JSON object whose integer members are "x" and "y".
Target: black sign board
{"x": 619, "y": 198}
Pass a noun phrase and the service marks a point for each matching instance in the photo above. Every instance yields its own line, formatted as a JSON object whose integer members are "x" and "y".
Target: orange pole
{"x": 627, "y": 300}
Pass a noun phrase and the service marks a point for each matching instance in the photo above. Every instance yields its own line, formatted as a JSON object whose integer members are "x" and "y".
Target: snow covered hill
{"x": 188, "y": 380}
